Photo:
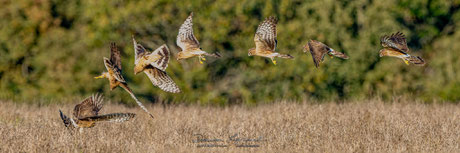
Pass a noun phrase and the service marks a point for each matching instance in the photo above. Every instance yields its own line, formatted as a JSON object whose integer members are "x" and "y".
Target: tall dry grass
{"x": 350, "y": 127}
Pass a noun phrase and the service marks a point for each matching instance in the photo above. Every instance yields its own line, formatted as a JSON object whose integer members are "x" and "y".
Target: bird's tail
{"x": 124, "y": 86}
{"x": 416, "y": 60}
{"x": 338, "y": 54}
{"x": 114, "y": 117}
{"x": 285, "y": 56}
{"x": 215, "y": 54}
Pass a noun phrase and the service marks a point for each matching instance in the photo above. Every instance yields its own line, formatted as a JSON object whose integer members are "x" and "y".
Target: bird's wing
{"x": 89, "y": 107}
{"x": 317, "y": 50}
{"x": 113, "y": 70}
{"x": 67, "y": 121}
{"x": 163, "y": 53}
{"x": 139, "y": 51}
{"x": 396, "y": 41}
{"x": 160, "y": 79}
{"x": 115, "y": 55}
{"x": 114, "y": 117}
{"x": 185, "y": 38}
{"x": 265, "y": 37}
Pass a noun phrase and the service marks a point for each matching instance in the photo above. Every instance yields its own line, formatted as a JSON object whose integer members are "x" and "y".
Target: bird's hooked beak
{"x": 305, "y": 48}
{"x": 137, "y": 70}
{"x": 250, "y": 51}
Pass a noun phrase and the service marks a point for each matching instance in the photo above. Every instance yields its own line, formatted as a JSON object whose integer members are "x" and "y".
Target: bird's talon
{"x": 199, "y": 59}
{"x": 204, "y": 59}
{"x": 274, "y": 62}
{"x": 407, "y": 62}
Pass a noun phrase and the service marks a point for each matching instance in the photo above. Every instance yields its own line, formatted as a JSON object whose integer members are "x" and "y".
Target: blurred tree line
{"x": 52, "y": 49}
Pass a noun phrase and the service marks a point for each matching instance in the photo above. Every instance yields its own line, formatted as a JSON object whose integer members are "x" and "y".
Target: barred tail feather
{"x": 416, "y": 60}
{"x": 216, "y": 55}
{"x": 286, "y": 56}
{"x": 338, "y": 54}
{"x": 135, "y": 99}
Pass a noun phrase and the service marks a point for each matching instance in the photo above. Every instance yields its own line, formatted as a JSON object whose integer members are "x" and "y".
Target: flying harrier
{"x": 113, "y": 66}
{"x": 190, "y": 46}
{"x": 318, "y": 50}
{"x": 396, "y": 46}
{"x": 154, "y": 65}
{"x": 86, "y": 114}
{"x": 265, "y": 40}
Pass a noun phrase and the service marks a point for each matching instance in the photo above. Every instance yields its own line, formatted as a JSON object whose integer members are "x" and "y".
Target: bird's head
{"x": 179, "y": 56}
{"x": 251, "y": 52}
{"x": 382, "y": 52}
{"x": 138, "y": 69}
{"x": 306, "y": 48}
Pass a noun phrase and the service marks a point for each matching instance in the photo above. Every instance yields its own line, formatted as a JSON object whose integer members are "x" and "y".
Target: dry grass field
{"x": 329, "y": 127}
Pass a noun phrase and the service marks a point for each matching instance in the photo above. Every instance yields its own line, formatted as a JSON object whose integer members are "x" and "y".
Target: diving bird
{"x": 318, "y": 50}
{"x": 265, "y": 40}
{"x": 113, "y": 74}
{"x": 86, "y": 114}
{"x": 395, "y": 45}
{"x": 154, "y": 65}
{"x": 188, "y": 43}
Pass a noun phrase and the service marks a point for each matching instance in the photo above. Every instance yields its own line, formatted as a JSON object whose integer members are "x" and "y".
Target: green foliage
{"x": 54, "y": 48}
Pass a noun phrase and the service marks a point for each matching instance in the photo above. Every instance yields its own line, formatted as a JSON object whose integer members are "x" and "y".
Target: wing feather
{"x": 185, "y": 38}
{"x": 161, "y": 79}
{"x": 113, "y": 70}
{"x": 139, "y": 51}
{"x": 163, "y": 53}
{"x": 317, "y": 50}
{"x": 265, "y": 37}
{"x": 115, "y": 55}
{"x": 89, "y": 107}
{"x": 67, "y": 121}
{"x": 396, "y": 41}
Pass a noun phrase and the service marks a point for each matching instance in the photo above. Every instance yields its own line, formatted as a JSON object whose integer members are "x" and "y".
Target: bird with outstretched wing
{"x": 318, "y": 50}
{"x": 265, "y": 41}
{"x": 188, "y": 43}
{"x": 86, "y": 114}
{"x": 154, "y": 65}
{"x": 395, "y": 45}
{"x": 113, "y": 74}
